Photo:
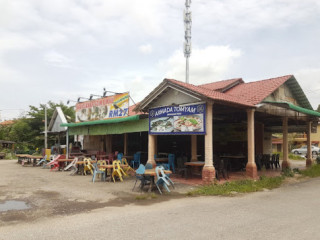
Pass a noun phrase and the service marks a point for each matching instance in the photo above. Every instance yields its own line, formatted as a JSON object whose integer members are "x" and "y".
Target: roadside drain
{"x": 13, "y": 205}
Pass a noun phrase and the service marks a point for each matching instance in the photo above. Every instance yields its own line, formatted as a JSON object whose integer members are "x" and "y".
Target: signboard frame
{"x": 108, "y": 107}
{"x": 186, "y": 119}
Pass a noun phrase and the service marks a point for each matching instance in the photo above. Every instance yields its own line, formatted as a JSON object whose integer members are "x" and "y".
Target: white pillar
{"x": 208, "y": 171}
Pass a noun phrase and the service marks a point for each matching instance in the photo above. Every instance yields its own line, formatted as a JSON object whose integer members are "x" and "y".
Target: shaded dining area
{"x": 207, "y": 131}
{"x": 237, "y": 119}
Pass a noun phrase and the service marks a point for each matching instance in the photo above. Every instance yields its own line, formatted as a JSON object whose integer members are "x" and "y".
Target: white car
{"x": 303, "y": 150}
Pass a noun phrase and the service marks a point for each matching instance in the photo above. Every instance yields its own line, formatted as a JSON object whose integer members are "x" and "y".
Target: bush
{"x": 313, "y": 171}
{"x": 241, "y": 186}
{"x": 287, "y": 172}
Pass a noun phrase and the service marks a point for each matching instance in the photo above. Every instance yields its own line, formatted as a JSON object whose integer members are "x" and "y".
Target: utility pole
{"x": 187, "y": 17}
{"x": 45, "y": 128}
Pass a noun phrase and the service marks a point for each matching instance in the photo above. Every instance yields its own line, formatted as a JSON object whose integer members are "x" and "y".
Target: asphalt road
{"x": 290, "y": 212}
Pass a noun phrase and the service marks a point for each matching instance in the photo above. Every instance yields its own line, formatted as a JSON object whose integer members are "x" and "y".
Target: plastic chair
{"x": 87, "y": 166}
{"x": 277, "y": 161}
{"x": 72, "y": 166}
{"x": 42, "y": 161}
{"x": 117, "y": 170}
{"x": 52, "y": 158}
{"x": 166, "y": 176}
{"x": 97, "y": 170}
{"x": 149, "y": 166}
{"x": 221, "y": 166}
{"x": 161, "y": 179}
{"x": 182, "y": 169}
{"x": 54, "y": 164}
{"x": 170, "y": 164}
{"x": 119, "y": 156}
{"x": 126, "y": 166}
{"x": 139, "y": 176}
{"x": 135, "y": 160}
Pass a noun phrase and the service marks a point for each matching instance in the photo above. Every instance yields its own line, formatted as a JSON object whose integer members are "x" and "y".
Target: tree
{"x": 27, "y": 132}
{"x": 318, "y": 109}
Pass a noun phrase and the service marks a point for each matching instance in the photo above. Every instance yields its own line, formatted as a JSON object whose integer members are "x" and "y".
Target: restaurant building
{"x": 227, "y": 117}
{"x": 232, "y": 117}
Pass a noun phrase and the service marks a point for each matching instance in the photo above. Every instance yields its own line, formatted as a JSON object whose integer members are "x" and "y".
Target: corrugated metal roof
{"x": 104, "y": 121}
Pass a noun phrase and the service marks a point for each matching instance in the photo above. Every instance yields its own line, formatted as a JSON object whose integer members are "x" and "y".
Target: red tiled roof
{"x": 215, "y": 95}
{"x": 221, "y": 84}
{"x": 235, "y": 91}
{"x": 255, "y": 92}
{"x": 9, "y": 122}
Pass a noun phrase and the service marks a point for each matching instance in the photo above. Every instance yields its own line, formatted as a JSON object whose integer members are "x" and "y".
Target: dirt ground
{"x": 60, "y": 194}
{"x": 57, "y": 193}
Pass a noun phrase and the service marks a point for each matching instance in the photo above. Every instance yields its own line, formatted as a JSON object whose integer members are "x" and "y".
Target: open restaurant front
{"x": 229, "y": 120}
{"x": 108, "y": 126}
{"x": 239, "y": 120}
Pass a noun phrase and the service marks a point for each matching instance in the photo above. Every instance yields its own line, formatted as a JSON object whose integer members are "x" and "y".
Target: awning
{"x": 110, "y": 126}
{"x": 294, "y": 108}
{"x": 105, "y": 121}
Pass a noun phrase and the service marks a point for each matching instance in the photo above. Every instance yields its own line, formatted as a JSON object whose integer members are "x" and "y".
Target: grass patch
{"x": 146, "y": 196}
{"x": 242, "y": 186}
{"x": 313, "y": 171}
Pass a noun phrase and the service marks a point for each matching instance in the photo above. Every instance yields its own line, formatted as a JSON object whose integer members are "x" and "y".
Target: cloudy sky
{"x": 63, "y": 49}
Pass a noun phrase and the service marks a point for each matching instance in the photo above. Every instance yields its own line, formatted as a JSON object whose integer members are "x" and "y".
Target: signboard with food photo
{"x": 104, "y": 108}
{"x": 181, "y": 119}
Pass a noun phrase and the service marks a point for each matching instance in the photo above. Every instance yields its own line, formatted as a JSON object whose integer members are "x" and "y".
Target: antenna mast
{"x": 187, "y": 17}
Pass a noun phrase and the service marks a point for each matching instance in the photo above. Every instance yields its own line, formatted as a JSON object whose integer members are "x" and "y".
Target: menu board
{"x": 181, "y": 119}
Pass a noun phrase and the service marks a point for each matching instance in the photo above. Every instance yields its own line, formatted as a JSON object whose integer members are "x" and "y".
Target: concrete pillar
{"x": 151, "y": 149}
{"x": 251, "y": 168}
{"x": 309, "y": 151}
{"x": 194, "y": 148}
{"x": 285, "y": 162}
{"x": 208, "y": 171}
{"x": 125, "y": 144}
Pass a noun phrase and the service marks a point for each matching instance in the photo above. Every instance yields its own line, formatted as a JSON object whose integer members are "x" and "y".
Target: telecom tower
{"x": 187, "y": 17}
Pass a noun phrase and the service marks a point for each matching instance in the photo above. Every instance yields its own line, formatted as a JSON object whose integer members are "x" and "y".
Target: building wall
{"x": 315, "y": 137}
{"x": 173, "y": 96}
{"x": 93, "y": 143}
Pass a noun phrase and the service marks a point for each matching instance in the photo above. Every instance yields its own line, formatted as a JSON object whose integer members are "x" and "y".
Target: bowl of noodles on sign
{"x": 189, "y": 123}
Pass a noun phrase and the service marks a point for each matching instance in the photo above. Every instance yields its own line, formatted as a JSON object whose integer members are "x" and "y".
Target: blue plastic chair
{"x": 96, "y": 171}
{"x": 119, "y": 156}
{"x": 170, "y": 164}
{"x": 161, "y": 179}
{"x": 135, "y": 160}
{"x": 139, "y": 176}
{"x": 42, "y": 161}
{"x": 149, "y": 166}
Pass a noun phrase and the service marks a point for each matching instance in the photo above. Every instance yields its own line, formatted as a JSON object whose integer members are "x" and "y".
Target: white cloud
{"x": 57, "y": 59}
{"x": 309, "y": 80}
{"x": 146, "y": 49}
{"x": 205, "y": 65}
